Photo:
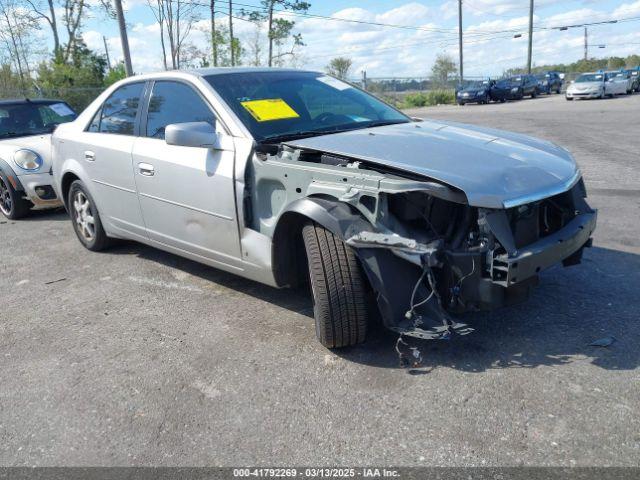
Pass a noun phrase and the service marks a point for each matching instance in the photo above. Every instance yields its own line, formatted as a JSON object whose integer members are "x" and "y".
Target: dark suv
{"x": 549, "y": 82}
{"x": 515, "y": 88}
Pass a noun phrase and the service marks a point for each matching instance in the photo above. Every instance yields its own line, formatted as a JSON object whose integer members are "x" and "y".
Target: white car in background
{"x": 587, "y": 85}
{"x": 619, "y": 83}
{"x": 26, "y": 180}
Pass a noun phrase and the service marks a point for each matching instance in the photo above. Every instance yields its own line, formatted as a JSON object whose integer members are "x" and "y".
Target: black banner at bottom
{"x": 399, "y": 473}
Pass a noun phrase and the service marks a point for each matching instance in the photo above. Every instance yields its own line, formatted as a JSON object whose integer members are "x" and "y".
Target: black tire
{"x": 568, "y": 99}
{"x": 534, "y": 94}
{"x": 12, "y": 205}
{"x": 96, "y": 239}
{"x": 338, "y": 288}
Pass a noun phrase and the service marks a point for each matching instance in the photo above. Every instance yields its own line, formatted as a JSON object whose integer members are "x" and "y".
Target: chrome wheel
{"x": 6, "y": 204}
{"x": 85, "y": 222}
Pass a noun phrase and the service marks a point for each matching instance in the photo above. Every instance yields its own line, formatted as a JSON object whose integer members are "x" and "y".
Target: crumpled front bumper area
{"x": 419, "y": 297}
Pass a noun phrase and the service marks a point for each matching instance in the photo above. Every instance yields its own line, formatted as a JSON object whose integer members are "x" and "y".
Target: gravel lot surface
{"x": 138, "y": 357}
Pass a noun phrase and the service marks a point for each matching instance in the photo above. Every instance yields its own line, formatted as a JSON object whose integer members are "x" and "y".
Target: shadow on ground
{"x": 572, "y": 308}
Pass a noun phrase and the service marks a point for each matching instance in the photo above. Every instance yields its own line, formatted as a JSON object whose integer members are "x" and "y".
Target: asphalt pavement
{"x": 138, "y": 357}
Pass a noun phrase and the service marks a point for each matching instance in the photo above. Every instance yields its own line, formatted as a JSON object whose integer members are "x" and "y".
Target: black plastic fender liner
{"x": 11, "y": 175}
{"x": 391, "y": 277}
{"x": 338, "y": 217}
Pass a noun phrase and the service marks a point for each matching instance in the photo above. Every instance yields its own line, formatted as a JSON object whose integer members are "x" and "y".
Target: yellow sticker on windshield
{"x": 269, "y": 109}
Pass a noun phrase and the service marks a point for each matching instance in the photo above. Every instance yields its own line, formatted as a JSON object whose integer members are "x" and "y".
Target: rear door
{"x": 105, "y": 151}
{"x": 186, "y": 193}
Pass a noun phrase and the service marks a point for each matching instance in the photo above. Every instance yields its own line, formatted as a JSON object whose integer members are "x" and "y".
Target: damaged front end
{"x": 427, "y": 253}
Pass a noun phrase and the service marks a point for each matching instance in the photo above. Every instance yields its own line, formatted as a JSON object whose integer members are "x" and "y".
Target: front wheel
{"x": 12, "y": 205}
{"x": 338, "y": 288}
{"x": 86, "y": 219}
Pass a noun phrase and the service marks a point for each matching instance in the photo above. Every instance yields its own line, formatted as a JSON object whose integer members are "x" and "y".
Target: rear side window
{"x": 118, "y": 113}
{"x": 174, "y": 102}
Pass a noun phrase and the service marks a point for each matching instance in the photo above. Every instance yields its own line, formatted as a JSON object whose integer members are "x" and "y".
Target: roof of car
{"x": 205, "y": 72}
{"x": 37, "y": 101}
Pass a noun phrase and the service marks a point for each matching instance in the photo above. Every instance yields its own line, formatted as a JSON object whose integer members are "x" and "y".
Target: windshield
{"x": 24, "y": 119}
{"x": 275, "y": 105}
{"x": 589, "y": 77}
{"x": 476, "y": 84}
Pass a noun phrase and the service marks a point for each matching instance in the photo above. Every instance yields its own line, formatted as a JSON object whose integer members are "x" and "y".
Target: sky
{"x": 429, "y": 28}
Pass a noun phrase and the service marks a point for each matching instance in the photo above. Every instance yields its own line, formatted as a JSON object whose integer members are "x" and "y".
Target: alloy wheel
{"x": 6, "y": 204}
{"x": 85, "y": 221}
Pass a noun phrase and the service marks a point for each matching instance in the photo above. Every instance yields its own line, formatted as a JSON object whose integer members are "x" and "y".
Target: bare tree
{"x": 17, "y": 26}
{"x": 255, "y": 46}
{"x": 176, "y": 19}
{"x": 50, "y": 17}
{"x": 73, "y": 14}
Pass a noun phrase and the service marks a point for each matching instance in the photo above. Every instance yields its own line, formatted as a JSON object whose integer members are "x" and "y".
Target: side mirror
{"x": 192, "y": 134}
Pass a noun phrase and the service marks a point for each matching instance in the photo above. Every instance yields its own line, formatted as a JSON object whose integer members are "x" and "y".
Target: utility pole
{"x": 214, "y": 40}
{"x": 106, "y": 51}
{"x": 586, "y": 44}
{"x": 364, "y": 80}
{"x": 460, "y": 39}
{"x": 233, "y": 61}
{"x": 123, "y": 38}
{"x": 530, "y": 36}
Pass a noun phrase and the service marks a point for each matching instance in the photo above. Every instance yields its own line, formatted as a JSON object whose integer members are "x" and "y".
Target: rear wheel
{"x": 338, "y": 288}
{"x": 86, "y": 219}
{"x": 12, "y": 205}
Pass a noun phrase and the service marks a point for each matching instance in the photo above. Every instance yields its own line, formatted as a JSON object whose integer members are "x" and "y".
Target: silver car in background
{"x": 297, "y": 178}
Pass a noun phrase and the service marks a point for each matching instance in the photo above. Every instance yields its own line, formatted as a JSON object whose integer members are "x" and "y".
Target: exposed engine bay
{"x": 427, "y": 253}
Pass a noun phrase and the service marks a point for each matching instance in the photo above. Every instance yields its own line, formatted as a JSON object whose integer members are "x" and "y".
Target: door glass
{"x": 118, "y": 113}
{"x": 173, "y": 102}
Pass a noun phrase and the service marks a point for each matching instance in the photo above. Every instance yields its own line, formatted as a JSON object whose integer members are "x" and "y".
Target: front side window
{"x": 118, "y": 113}
{"x": 174, "y": 102}
{"x": 276, "y": 105}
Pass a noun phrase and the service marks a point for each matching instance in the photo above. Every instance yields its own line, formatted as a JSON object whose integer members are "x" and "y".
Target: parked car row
{"x": 587, "y": 85}
{"x": 604, "y": 84}
{"x": 510, "y": 88}
{"x": 294, "y": 178}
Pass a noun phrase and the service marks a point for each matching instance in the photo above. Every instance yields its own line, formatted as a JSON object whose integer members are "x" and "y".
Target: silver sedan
{"x": 296, "y": 178}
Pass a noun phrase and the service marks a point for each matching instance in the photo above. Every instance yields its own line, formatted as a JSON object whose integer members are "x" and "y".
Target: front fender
{"x": 11, "y": 176}
{"x": 287, "y": 247}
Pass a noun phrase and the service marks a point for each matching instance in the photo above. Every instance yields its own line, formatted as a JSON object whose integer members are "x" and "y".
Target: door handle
{"x": 89, "y": 156}
{"x": 146, "y": 169}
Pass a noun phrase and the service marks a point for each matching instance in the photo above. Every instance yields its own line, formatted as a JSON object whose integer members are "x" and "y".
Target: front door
{"x": 186, "y": 193}
{"x": 105, "y": 149}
